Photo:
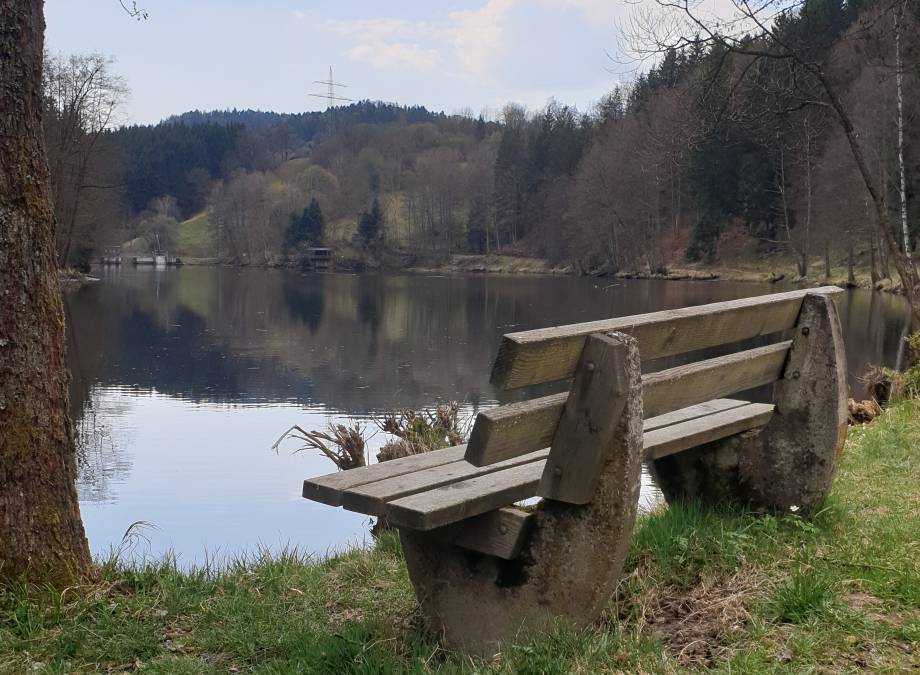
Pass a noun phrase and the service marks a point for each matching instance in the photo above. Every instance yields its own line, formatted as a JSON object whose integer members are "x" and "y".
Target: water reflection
{"x": 183, "y": 379}
{"x": 101, "y": 439}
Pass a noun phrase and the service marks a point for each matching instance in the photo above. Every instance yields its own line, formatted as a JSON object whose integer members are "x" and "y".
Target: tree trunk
{"x": 905, "y": 229}
{"x": 873, "y": 262}
{"x": 883, "y": 269}
{"x": 800, "y": 258}
{"x": 71, "y": 226}
{"x": 827, "y": 259}
{"x": 851, "y": 272}
{"x": 806, "y": 236}
{"x": 903, "y": 264}
{"x": 41, "y": 534}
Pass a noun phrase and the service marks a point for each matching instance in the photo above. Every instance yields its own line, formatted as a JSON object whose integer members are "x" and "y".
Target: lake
{"x": 184, "y": 378}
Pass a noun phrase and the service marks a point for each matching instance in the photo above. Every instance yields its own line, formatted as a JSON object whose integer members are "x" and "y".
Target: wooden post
{"x": 588, "y": 426}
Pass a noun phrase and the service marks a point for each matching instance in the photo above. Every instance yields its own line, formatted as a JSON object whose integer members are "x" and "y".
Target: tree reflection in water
{"x": 212, "y": 364}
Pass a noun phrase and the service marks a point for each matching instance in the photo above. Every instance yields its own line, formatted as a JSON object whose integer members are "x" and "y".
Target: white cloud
{"x": 387, "y": 55}
{"x": 472, "y": 40}
{"x": 600, "y": 13}
{"x": 298, "y": 14}
{"x": 377, "y": 30}
{"x": 477, "y": 35}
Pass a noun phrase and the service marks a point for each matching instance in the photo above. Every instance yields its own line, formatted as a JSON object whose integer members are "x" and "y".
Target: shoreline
{"x": 532, "y": 266}
{"x": 500, "y": 264}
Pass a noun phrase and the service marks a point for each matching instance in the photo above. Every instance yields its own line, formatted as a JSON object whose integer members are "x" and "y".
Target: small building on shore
{"x": 318, "y": 259}
{"x": 111, "y": 256}
{"x": 157, "y": 260}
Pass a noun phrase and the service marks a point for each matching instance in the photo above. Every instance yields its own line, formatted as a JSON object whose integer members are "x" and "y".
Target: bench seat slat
{"x": 549, "y": 354}
{"x": 371, "y": 498}
{"x": 457, "y": 501}
{"x": 676, "y": 438}
{"x": 691, "y": 412}
{"x": 328, "y": 489}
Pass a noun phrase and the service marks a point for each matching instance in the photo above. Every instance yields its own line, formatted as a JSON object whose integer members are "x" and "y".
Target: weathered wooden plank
{"x": 514, "y": 429}
{"x": 689, "y": 434}
{"x": 590, "y": 420}
{"x": 370, "y": 498}
{"x": 691, "y": 412}
{"x": 694, "y": 383}
{"x": 445, "y": 505}
{"x": 520, "y": 428}
{"x": 548, "y": 354}
{"x": 328, "y": 489}
{"x": 500, "y": 533}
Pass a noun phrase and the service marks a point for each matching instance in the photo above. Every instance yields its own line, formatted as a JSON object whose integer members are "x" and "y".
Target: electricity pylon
{"x": 330, "y": 94}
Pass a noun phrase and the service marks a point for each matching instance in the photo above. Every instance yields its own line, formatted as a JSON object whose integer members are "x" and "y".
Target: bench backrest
{"x": 552, "y": 354}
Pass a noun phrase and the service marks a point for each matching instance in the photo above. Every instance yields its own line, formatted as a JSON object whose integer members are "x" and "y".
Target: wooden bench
{"x": 484, "y": 570}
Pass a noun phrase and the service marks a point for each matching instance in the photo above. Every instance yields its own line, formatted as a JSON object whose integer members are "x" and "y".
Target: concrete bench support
{"x": 790, "y": 463}
{"x": 568, "y": 567}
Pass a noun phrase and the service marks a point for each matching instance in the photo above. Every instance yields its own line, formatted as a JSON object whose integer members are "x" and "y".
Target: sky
{"x": 452, "y": 55}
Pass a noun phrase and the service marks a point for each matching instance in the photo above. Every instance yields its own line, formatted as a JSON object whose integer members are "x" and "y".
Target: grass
{"x": 703, "y": 590}
{"x": 750, "y": 267}
{"x": 195, "y": 237}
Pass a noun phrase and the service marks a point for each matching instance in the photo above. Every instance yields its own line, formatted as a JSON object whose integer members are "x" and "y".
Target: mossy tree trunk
{"x": 41, "y": 534}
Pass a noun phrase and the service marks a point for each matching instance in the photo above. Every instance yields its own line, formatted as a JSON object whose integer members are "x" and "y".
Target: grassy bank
{"x": 196, "y": 237}
{"x": 195, "y": 241}
{"x": 726, "y": 592}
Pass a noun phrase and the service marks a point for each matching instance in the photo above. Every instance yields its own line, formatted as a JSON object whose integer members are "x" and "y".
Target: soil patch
{"x": 696, "y": 625}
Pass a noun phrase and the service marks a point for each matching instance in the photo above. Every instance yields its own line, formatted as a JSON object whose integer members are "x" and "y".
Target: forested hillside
{"x": 713, "y": 152}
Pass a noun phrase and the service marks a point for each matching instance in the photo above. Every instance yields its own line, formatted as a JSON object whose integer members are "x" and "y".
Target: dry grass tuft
{"x": 423, "y": 431}
{"x": 696, "y": 625}
{"x": 343, "y": 444}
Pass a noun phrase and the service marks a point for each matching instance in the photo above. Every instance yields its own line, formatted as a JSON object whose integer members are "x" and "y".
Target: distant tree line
{"x": 711, "y": 148}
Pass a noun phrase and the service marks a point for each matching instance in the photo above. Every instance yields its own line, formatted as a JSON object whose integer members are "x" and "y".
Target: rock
{"x": 862, "y": 412}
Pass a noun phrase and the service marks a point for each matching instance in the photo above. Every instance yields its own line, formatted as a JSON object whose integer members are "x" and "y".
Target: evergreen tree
{"x": 477, "y": 229}
{"x": 511, "y": 168}
{"x": 314, "y": 224}
{"x": 309, "y": 227}
{"x": 370, "y": 221}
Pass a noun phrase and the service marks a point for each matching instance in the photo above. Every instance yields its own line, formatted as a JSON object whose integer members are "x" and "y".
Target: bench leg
{"x": 569, "y": 565}
{"x": 790, "y": 463}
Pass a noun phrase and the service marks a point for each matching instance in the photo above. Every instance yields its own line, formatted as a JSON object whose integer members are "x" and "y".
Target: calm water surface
{"x": 183, "y": 379}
